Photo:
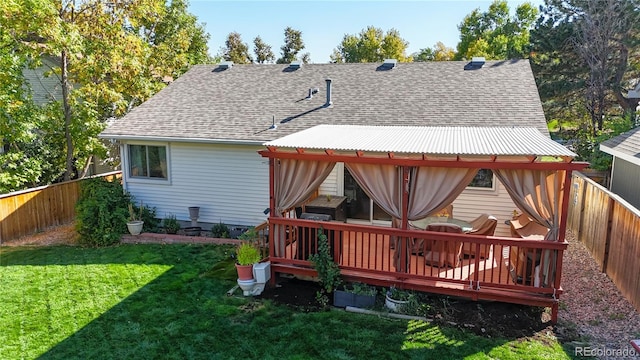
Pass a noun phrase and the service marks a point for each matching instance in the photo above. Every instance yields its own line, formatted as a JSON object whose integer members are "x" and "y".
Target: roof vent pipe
{"x": 329, "y": 102}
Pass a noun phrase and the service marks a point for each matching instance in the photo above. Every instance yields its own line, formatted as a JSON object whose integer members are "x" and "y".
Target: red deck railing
{"x": 512, "y": 270}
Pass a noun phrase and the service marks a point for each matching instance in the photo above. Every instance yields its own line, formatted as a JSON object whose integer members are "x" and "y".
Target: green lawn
{"x": 169, "y": 302}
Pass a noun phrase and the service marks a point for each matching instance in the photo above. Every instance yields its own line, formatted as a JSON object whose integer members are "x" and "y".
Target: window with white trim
{"x": 148, "y": 161}
{"x": 483, "y": 180}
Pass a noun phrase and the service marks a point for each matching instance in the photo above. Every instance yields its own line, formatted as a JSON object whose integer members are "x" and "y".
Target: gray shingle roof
{"x": 626, "y": 146}
{"x": 238, "y": 104}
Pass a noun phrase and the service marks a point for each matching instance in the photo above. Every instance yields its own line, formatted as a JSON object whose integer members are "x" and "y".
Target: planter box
{"x": 343, "y": 298}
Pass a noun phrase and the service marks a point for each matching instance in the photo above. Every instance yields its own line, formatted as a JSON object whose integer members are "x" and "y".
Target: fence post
{"x": 607, "y": 242}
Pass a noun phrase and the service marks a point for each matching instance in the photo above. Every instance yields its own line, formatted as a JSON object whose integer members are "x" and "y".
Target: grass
{"x": 169, "y": 301}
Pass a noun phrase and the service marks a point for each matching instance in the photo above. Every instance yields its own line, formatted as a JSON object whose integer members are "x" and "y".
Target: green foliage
{"x": 247, "y": 253}
{"x": 328, "y": 270}
{"x": 293, "y": 44}
{"x": 171, "y": 224}
{"x": 587, "y": 146}
{"x": 361, "y": 289}
{"x": 494, "y": 34}
{"x": 371, "y": 45}
{"x": 262, "y": 51}
{"x": 439, "y": 52}
{"x": 581, "y": 58}
{"x": 151, "y": 222}
{"x": 251, "y": 235}
{"x": 399, "y": 294}
{"x": 220, "y": 230}
{"x": 101, "y": 212}
{"x": 107, "y": 60}
{"x": 235, "y": 50}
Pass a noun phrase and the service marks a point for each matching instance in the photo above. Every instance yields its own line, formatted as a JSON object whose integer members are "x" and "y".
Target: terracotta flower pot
{"x": 245, "y": 272}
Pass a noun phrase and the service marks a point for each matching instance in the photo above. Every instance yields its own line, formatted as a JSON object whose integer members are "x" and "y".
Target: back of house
{"x": 195, "y": 142}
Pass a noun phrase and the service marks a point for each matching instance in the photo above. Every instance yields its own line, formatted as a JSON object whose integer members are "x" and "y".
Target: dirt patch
{"x": 56, "y": 235}
{"x": 490, "y": 319}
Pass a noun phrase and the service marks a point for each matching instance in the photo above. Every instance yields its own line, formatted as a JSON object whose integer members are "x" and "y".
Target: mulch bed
{"x": 491, "y": 319}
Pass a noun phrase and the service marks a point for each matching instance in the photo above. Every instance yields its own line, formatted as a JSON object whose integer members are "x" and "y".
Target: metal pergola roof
{"x": 427, "y": 140}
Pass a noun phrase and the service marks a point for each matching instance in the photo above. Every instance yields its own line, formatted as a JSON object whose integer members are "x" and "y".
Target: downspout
{"x": 124, "y": 164}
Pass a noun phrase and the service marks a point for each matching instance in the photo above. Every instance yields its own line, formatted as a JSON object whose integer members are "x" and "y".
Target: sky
{"x": 325, "y": 22}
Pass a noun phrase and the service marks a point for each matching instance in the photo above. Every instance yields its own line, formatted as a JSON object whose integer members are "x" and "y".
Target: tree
{"x": 439, "y": 52}
{"x": 262, "y": 51}
{"x": 110, "y": 57}
{"x": 494, "y": 34}
{"x": 235, "y": 50}
{"x": 371, "y": 45}
{"x": 293, "y": 44}
{"x": 586, "y": 53}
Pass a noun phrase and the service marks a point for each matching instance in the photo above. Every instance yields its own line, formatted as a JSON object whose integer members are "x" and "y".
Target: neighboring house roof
{"x": 473, "y": 141}
{"x": 625, "y": 146}
{"x": 211, "y": 104}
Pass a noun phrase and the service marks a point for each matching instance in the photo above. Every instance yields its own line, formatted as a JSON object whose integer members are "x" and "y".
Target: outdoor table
{"x": 422, "y": 223}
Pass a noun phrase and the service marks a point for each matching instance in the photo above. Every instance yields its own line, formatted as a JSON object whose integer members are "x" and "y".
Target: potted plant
{"x": 135, "y": 222}
{"x": 171, "y": 224}
{"x": 396, "y": 299}
{"x": 355, "y": 295}
{"x": 246, "y": 255}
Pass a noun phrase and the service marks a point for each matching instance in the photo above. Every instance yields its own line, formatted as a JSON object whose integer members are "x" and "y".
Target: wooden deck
{"x": 362, "y": 252}
{"x": 374, "y": 255}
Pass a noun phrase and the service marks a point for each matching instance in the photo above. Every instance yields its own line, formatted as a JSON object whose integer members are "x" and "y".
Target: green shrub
{"x": 247, "y": 254}
{"x": 328, "y": 270}
{"x": 102, "y": 212}
{"x": 220, "y": 230}
{"x": 171, "y": 224}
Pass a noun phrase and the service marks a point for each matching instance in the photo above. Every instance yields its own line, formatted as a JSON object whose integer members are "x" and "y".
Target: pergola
{"x": 412, "y": 172}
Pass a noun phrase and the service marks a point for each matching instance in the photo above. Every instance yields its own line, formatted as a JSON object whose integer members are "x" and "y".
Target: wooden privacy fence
{"x": 610, "y": 229}
{"x": 28, "y": 211}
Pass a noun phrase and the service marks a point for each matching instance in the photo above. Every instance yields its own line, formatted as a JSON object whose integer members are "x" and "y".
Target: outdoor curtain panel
{"x": 382, "y": 183}
{"x": 294, "y": 182}
{"x": 538, "y": 194}
{"x": 433, "y": 188}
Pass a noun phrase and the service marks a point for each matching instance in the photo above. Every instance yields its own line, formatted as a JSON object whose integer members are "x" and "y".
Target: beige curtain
{"x": 433, "y": 188}
{"x": 538, "y": 194}
{"x": 294, "y": 182}
{"x": 382, "y": 183}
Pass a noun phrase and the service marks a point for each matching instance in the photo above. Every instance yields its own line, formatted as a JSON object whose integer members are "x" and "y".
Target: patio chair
{"x": 484, "y": 224}
{"x": 443, "y": 253}
{"x": 523, "y": 227}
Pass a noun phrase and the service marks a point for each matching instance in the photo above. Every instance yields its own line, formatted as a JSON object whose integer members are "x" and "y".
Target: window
{"x": 147, "y": 161}
{"x": 483, "y": 179}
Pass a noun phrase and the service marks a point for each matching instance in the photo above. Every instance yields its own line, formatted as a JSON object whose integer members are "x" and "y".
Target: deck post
{"x": 272, "y": 211}
{"x": 404, "y": 212}
{"x": 565, "y": 205}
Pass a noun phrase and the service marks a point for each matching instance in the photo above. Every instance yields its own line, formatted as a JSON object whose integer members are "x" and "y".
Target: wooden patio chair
{"x": 484, "y": 224}
{"x": 443, "y": 253}
{"x": 523, "y": 227}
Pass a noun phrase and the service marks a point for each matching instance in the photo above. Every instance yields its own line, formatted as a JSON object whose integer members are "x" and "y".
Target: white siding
{"x": 334, "y": 183}
{"x": 44, "y": 88}
{"x": 473, "y": 202}
{"x": 230, "y": 184}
